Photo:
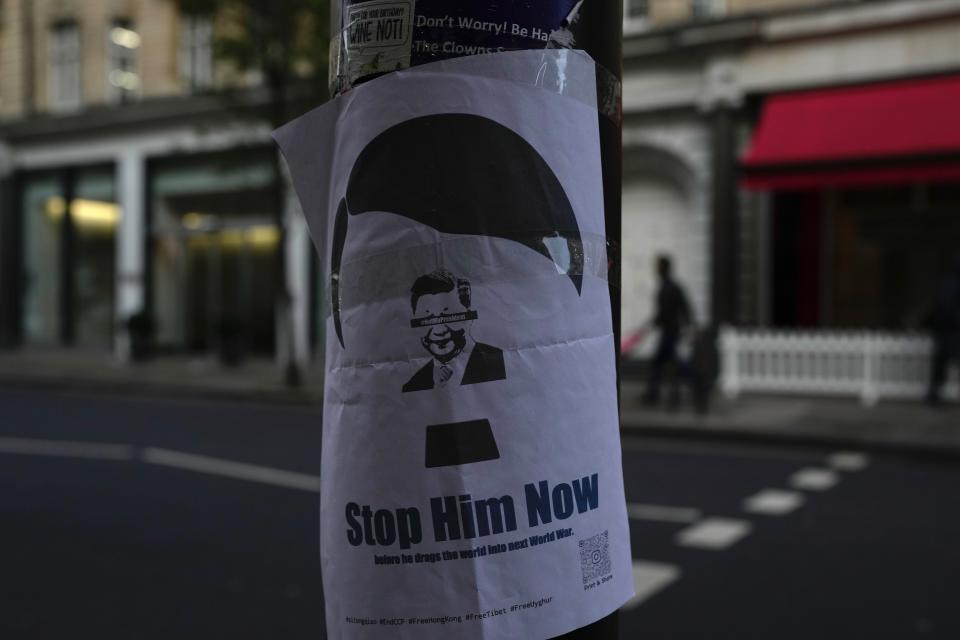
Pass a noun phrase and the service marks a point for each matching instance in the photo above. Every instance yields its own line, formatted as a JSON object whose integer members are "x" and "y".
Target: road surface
{"x": 126, "y": 517}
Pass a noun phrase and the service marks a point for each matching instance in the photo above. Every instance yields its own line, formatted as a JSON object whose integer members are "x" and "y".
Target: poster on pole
{"x": 471, "y": 481}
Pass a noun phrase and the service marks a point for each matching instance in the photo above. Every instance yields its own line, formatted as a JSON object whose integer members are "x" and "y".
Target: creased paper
{"x": 471, "y": 478}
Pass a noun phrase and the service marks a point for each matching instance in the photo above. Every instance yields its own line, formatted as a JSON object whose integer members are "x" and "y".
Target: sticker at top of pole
{"x": 379, "y": 36}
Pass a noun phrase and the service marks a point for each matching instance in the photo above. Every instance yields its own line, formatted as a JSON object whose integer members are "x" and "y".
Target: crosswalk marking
{"x": 231, "y": 469}
{"x": 661, "y": 513}
{"x": 714, "y": 534}
{"x": 814, "y": 479}
{"x": 848, "y": 461}
{"x": 648, "y": 579}
{"x": 773, "y": 502}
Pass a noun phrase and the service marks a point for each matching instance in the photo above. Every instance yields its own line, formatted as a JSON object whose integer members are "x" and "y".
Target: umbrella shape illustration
{"x": 459, "y": 174}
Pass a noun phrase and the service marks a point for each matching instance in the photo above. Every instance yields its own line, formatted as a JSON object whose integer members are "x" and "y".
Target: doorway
{"x": 215, "y": 249}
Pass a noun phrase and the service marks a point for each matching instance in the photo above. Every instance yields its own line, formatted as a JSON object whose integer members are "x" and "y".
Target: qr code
{"x": 595, "y": 557}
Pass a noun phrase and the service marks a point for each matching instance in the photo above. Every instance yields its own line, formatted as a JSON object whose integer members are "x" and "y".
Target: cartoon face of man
{"x": 442, "y": 311}
{"x": 446, "y": 333}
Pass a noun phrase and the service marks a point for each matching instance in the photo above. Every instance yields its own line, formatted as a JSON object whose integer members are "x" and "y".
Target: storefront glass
{"x": 70, "y": 218}
{"x": 215, "y": 250}
{"x": 869, "y": 258}
{"x": 43, "y": 210}
{"x": 95, "y": 216}
{"x": 889, "y": 249}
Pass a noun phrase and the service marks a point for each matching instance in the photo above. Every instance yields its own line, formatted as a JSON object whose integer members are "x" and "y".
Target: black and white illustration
{"x": 442, "y": 312}
{"x": 465, "y": 175}
{"x": 443, "y": 316}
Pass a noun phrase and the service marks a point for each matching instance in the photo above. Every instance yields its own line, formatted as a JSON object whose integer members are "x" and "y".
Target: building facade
{"x": 137, "y": 175}
{"x": 777, "y": 150}
{"x": 139, "y": 179}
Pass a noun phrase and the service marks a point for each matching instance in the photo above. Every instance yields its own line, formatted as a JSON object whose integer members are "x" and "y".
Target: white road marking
{"x": 66, "y": 449}
{"x": 848, "y": 461}
{"x": 648, "y": 579}
{"x": 714, "y": 534}
{"x": 774, "y": 502}
{"x": 660, "y": 513}
{"x": 636, "y": 444}
{"x": 814, "y": 479}
{"x": 231, "y": 469}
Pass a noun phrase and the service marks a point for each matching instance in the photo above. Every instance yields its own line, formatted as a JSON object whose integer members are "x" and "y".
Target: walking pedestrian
{"x": 672, "y": 316}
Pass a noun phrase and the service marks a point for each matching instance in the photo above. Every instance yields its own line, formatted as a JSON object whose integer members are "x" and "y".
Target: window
{"x": 706, "y": 9}
{"x": 123, "y": 77}
{"x": 68, "y": 296}
{"x": 94, "y": 216}
{"x": 43, "y": 210}
{"x": 196, "y": 52}
{"x": 635, "y": 14}
{"x": 64, "y": 67}
{"x": 635, "y": 10}
{"x": 214, "y": 248}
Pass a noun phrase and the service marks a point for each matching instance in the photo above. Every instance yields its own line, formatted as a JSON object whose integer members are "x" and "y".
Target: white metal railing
{"x": 870, "y": 365}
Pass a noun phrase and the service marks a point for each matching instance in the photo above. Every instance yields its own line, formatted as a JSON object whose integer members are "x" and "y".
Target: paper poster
{"x": 471, "y": 478}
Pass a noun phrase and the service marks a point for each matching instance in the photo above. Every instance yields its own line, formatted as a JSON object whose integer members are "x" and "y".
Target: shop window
{"x": 797, "y": 232}
{"x": 888, "y": 261}
{"x": 69, "y": 219}
{"x": 196, "y": 52}
{"x": 706, "y": 9}
{"x": 64, "y": 67}
{"x": 899, "y": 197}
{"x": 123, "y": 77}
{"x": 635, "y": 13}
{"x": 95, "y": 216}
{"x": 945, "y": 195}
{"x": 214, "y": 251}
{"x": 43, "y": 210}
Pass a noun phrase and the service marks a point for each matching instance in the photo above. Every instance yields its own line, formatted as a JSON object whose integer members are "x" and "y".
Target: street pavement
{"x": 128, "y": 517}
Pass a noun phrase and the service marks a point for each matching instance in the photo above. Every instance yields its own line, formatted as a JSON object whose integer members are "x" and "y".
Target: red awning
{"x": 891, "y": 133}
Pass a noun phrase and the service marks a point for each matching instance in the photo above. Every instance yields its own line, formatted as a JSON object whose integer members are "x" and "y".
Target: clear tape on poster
{"x": 552, "y": 69}
{"x": 389, "y": 275}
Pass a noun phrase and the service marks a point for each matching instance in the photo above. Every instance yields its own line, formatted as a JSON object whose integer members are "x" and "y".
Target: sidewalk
{"x": 901, "y": 426}
{"x": 258, "y": 380}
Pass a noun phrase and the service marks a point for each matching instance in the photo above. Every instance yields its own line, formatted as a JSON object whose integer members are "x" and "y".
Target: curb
{"x": 733, "y": 433}
{"x": 164, "y": 390}
{"x": 630, "y": 427}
